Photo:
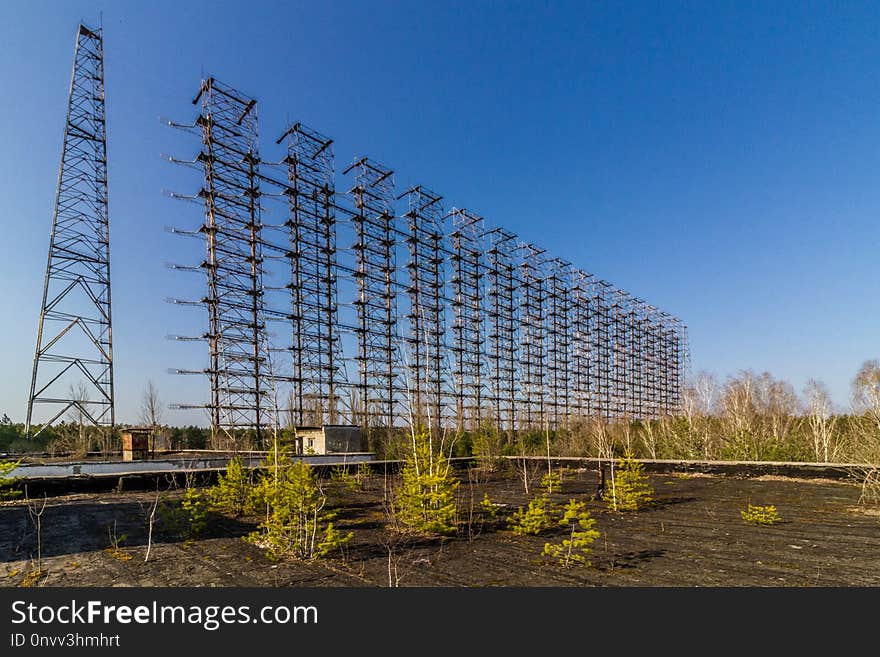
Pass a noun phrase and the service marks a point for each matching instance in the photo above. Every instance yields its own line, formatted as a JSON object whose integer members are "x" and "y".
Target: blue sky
{"x": 717, "y": 159}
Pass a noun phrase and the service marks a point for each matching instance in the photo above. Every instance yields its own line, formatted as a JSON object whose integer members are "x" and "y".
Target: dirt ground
{"x": 692, "y": 536}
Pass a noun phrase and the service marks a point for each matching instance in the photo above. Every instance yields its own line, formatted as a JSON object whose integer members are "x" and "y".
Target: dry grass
{"x": 865, "y": 510}
{"x": 804, "y": 480}
{"x": 33, "y": 577}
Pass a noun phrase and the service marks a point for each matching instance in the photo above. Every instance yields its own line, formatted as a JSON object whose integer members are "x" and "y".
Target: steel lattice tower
{"x": 426, "y": 326}
{"x": 242, "y": 400}
{"x": 501, "y": 324}
{"x": 558, "y": 327}
{"x": 603, "y": 351}
{"x": 534, "y": 342}
{"x": 652, "y": 361}
{"x": 74, "y": 336}
{"x": 317, "y": 365}
{"x": 619, "y": 337}
{"x": 532, "y": 337}
{"x": 373, "y": 196}
{"x": 467, "y": 329}
{"x": 582, "y": 332}
{"x": 638, "y": 371}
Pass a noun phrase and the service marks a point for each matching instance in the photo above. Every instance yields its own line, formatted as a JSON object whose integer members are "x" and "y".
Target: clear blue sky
{"x": 717, "y": 159}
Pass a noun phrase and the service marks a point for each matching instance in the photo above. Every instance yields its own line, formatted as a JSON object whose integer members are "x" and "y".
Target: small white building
{"x": 330, "y": 439}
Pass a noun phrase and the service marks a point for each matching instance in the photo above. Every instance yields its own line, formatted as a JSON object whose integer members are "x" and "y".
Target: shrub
{"x": 577, "y": 548}
{"x": 233, "y": 492}
{"x": 7, "y": 492}
{"x": 482, "y": 516}
{"x": 346, "y": 480}
{"x": 551, "y": 481}
{"x": 196, "y": 505}
{"x": 487, "y": 449}
{"x": 295, "y": 515}
{"x": 425, "y": 501}
{"x": 114, "y": 549}
{"x": 171, "y": 519}
{"x": 363, "y": 473}
{"x": 333, "y": 540}
{"x": 629, "y": 490}
{"x": 187, "y": 518}
{"x": 761, "y": 515}
{"x": 534, "y": 519}
{"x": 488, "y": 510}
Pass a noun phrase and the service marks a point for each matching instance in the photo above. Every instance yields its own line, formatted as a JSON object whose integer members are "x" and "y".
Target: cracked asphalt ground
{"x": 692, "y": 536}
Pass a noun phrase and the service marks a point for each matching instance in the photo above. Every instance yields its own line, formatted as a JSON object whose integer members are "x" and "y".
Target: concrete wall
{"x": 343, "y": 439}
{"x": 330, "y": 439}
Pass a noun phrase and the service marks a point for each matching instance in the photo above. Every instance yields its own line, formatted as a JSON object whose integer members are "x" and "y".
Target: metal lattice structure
{"x": 73, "y": 361}
{"x": 315, "y": 351}
{"x": 493, "y": 332}
{"x": 467, "y": 328}
{"x": 501, "y": 326}
{"x": 603, "y": 320}
{"x": 620, "y": 336}
{"x": 426, "y": 344}
{"x": 582, "y": 333}
{"x": 532, "y": 337}
{"x": 373, "y": 196}
{"x": 559, "y": 344}
{"x": 242, "y": 403}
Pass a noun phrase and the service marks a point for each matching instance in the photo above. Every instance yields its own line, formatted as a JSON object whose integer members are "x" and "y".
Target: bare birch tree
{"x": 866, "y": 391}
{"x": 821, "y": 421}
{"x": 866, "y": 402}
{"x": 151, "y": 407}
{"x": 700, "y": 400}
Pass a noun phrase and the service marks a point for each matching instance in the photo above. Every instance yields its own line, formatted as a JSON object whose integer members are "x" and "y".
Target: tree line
{"x": 748, "y": 416}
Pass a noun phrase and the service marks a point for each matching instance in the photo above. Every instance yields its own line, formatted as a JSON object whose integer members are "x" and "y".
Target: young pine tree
{"x": 630, "y": 489}
{"x": 425, "y": 501}
{"x": 233, "y": 493}
{"x": 577, "y": 548}
{"x": 551, "y": 481}
{"x": 534, "y": 519}
{"x": 488, "y": 509}
{"x": 296, "y": 524}
{"x": 195, "y": 509}
{"x": 7, "y": 492}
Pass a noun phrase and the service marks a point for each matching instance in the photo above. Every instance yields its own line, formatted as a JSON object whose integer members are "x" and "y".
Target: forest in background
{"x": 749, "y": 416}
